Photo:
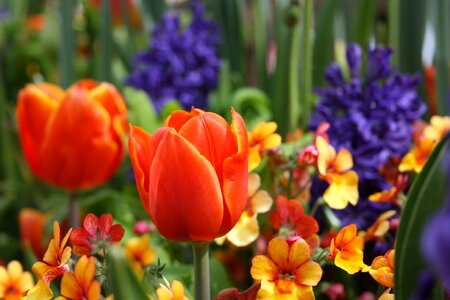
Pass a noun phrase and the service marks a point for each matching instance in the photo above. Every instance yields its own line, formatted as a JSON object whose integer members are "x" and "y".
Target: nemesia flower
{"x": 73, "y": 139}
{"x": 346, "y": 249}
{"x": 382, "y": 269}
{"x": 32, "y": 228}
{"x": 140, "y": 253}
{"x": 289, "y": 216}
{"x": 379, "y": 228}
{"x": 117, "y": 11}
{"x": 260, "y": 139}
{"x": 95, "y": 234}
{"x": 387, "y": 295}
{"x": 233, "y": 293}
{"x": 391, "y": 195}
{"x": 175, "y": 291}
{"x": 246, "y": 229}
{"x": 181, "y": 64}
{"x": 81, "y": 285}
{"x": 192, "y": 174}
{"x": 14, "y": 282}
{"x": 53, "y": 265}
{"x": 335, "y": 169}
{"x": 287, "y": 272}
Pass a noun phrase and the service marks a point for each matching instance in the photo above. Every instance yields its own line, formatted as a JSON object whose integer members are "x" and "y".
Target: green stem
{"x": 201, "y": 266}
{"x": 105, "y": 42}
{"x": 67, "y": 43}
{"x": 74, "y": 211}
{"x": 393, "y": 7}
{"x": 294, "y": 91}
{"x": 442, "y": 48}
{"x": 307, "y": 57}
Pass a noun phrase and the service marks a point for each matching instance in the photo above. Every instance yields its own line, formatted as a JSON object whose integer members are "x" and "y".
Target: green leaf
{"x": 425, "y": 197}
{"x": 220, "y": 279}
{"x": 124, "y": 282}
{"x": 140, "y": 110}
{"x": 252, "y": 104}
{"x": 169, "y": 108}
{"x": 364, "y": 21}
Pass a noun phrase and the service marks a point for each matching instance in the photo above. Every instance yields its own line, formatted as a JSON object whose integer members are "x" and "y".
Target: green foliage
{"x": 423, "y": 200}
{"x": 140, "y": 110}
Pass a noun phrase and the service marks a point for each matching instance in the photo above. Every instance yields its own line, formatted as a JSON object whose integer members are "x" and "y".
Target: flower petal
{"x": 245, "y": 231}
{"x": 178, "y": 164}
{"x": 70, "y": 287}
{"x": 308, "y": 274}
{"x": 263, "y": 268}
{"x": 344, "y": 161}
{"x": 278, "y": 250}
{"x": 261, "y": 202}
{"x": 254, "y": 183}
{"x": 299, "y": 254}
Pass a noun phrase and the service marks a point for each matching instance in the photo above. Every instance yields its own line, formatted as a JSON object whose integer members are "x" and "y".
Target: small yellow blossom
{"x": 14, "y": 281}
{"x": 260, "y": 139}
{"x": 139, "y": 252}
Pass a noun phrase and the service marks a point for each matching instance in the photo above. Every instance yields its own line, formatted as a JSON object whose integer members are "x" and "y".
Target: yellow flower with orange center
{"x": 246, "y": 229}
{"x": 260, "y": 139}
{"x": 139, "y": 252}
{"x": 335, "y": 169}
{"x": 382, "y": 269}
{"x": 287, "y": 272}
{"x": 14, "y": 281}
{"x": 81, "y": 284}
{"x": 53, "y": 265}
{"x": 346, "y": 249}
{"x": 175, "y": 291}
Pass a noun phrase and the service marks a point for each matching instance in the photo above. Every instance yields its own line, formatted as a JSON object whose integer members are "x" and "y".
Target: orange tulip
{"x": 192, "y": 174}
{"x": 74, "y": 139}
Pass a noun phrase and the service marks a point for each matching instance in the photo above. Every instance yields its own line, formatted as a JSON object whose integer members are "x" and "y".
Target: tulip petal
{"x": 178, "y": 118}
{"x": 235, "y": 176}
{"x": 36, "y": 105}
{"x": 185, "y": 195}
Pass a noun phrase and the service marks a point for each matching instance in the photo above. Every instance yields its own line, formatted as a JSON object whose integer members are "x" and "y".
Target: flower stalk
{"x": 201, "y": 271}
{"x": 74, "y": 211}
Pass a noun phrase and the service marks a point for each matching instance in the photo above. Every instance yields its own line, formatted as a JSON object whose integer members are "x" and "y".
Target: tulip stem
{"x": 201, "y": 271}
{"x": 74, "y": 211}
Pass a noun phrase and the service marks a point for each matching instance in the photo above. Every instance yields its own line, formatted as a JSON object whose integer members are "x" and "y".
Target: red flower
{"x": 72, "y": 139}
{"x": 192, "y": 174}
{"x": 95, "y": 234}
{"x": 290, "y": 215}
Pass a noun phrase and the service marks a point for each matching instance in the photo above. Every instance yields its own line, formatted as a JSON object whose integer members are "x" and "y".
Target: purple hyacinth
{"x": 179, "y": 64}
{"x": 371, "y": 114}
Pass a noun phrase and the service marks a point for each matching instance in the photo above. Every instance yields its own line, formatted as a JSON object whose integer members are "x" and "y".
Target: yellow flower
{"x": 382, "y": 269}
{"x": 175, "y": 291}
{"x": 140, "y": 254}
{"x": 246, "y": 229}
{"x": 288, "y": 272}
{"x": 438, "y": 127}
{"x": 347, "y": 250}
{"x": 261, "y": 138}
{"x": 335, "y": 169}
{"x": 13, "y": 281}
{"x": 379, "y": 228}
{"x": 387, "y": 295}
{"x": 81, "y": 284}
{"x": 53, "y": 265}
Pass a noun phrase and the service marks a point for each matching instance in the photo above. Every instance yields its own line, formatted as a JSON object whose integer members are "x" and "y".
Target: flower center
{"x": 285, "y": 283}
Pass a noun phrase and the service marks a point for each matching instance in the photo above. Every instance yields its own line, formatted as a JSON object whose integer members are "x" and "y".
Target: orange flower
{"x": 379, "y": 228}
{"x": 32, "y": 228}
{"x": 246, "y": 229}
{"x": 175, "y": 291}
{"x": 192, "y": 174}
{"x": 14, "y": 282}
{"x": 335, "y": 169}
{"x": 288, "y": 272}
{"x": 55, "y": 264}
{"x": 75, "y": 139}
{"x": 347, "y": 250}
{"x": 382, "y": 269}
{"x": 139, "y": 252}
{"x": 81, "y": 284}
{"x": 260, "y": 139}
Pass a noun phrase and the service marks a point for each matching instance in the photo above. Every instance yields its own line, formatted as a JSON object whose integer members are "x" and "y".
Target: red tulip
{"x": 192, "y": 174}
{"x": 74, "y": 139}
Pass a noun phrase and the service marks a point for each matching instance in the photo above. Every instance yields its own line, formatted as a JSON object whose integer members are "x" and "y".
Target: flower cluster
{"x": 371, "y": 115}
{"x": 180, "y": 64}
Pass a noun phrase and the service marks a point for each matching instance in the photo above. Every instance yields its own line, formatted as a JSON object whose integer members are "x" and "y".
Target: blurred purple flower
{"x": 372, "y": 115}
{"x": 179, "y": 64}
{"x": 4, "y": 14}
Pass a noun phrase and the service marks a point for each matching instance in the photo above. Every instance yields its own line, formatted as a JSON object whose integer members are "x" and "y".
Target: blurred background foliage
{"x": 273, "y": 54}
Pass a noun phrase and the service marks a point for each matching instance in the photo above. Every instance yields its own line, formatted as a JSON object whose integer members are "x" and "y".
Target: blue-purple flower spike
{"x": 179, "y": 64}
{"x": 372, "y": 114}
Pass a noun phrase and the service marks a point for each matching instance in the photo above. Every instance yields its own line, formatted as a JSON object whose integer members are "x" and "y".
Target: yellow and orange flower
{"x": 346, "y": 249}
{"x": 139, "y": 252}
{"x": 81, "y": 284}
{"x": 335, "y": 169}
{"x": 260, "y": 139}
{"x": 379, "y": 228}
{"x": 424, "y": 144}
{"x": 288, "y": 272}
{"x": 175, "y": 291}
{"x": 74, "y": 139}
{"x": 14, "y": 282}
{"x": 192, "y": 174}
{"x": 53, "y": 265}
{"x": 382, "y": 269}
{"x": 246, "y": 229}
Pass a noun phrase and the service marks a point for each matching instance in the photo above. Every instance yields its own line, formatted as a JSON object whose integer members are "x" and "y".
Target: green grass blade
{"x": 364, "y": 22}
{"x": 105, "y": 57}
{"x": 67, "y": 43}
{"x": 425, "y": 197}
{"x": 442, "y": 49}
